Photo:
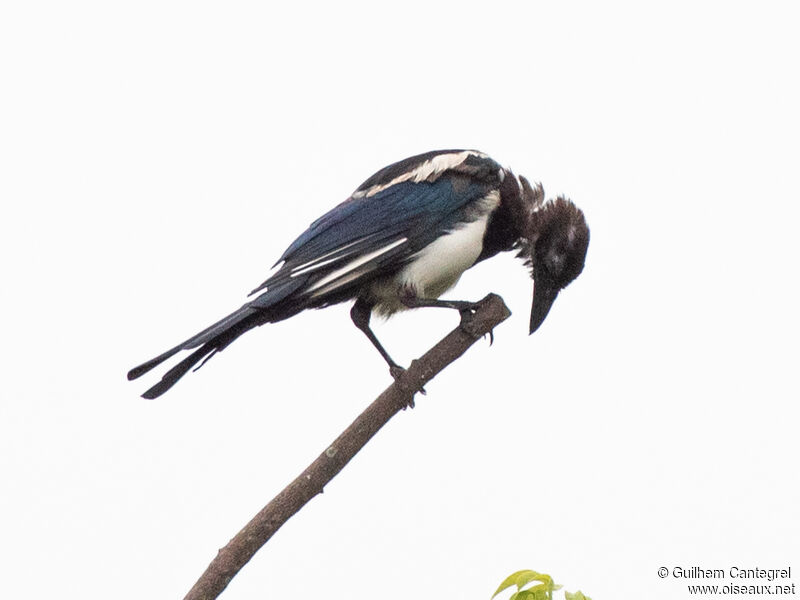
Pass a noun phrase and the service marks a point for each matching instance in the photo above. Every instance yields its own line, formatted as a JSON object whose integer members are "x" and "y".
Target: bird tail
{"x": 205, "y": 344}
{"x": 266, "y": 308}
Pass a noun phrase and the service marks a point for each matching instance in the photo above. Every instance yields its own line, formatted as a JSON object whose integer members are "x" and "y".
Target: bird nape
{"x": 401, "y": 240}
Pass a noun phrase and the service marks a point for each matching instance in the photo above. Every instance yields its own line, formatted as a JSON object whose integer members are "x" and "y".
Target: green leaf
{"x": 535, "y": 593}
{"x": 543, "y": 590}
{"x": 525, "y": 577}
{"x": 576, "y": 596}
{"x": 512, "y": 580}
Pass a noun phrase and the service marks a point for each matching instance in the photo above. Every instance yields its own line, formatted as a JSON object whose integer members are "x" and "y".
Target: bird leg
{"x": 464, "y": 307}
{"x": 360, "y": 314}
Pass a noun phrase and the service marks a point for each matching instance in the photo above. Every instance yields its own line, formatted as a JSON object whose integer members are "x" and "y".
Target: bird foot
{"x": 397, "y": 372}
{"x": 467, "y": 312}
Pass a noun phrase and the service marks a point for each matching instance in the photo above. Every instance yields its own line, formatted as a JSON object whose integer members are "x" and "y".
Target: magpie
{"x": 401, "y": 240}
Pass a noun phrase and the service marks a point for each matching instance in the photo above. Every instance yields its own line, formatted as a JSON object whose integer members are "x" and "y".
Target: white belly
{"x": 435, "y": 269}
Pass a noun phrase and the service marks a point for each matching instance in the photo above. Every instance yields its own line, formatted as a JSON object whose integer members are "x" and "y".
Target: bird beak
{"x": 543, "y": 297}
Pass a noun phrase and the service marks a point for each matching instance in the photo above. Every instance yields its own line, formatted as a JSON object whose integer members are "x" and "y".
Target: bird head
{"x": 554, "y": 243}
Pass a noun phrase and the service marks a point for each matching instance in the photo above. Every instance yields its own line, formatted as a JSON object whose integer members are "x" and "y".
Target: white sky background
{"x": 158, "y": 157}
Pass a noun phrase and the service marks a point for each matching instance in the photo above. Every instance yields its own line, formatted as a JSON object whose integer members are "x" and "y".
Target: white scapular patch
{"x": 431, "y": 167}
{"x": 351, "y": 267}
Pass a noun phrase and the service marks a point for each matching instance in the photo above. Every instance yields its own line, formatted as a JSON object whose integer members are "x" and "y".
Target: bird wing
{"x": 390, "y": 217}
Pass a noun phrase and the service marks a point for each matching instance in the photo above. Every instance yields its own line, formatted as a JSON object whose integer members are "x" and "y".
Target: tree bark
{"x": 229, "y": 560}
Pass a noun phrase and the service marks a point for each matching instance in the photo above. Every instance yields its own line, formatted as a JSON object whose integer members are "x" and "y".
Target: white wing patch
{"x": 350, "y": 268}
{"x": 433, "y": 166}
{"x": 321, "y": 261}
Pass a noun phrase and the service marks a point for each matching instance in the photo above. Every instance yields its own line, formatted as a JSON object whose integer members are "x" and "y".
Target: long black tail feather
{"x": 208, "y": 342}
{"x": 209, "y": 333}
{"x": 226, "y": 331}
{"x": 269, "y": 307}
{"x": 172, "y": 376}
{"x": 143, "y": 368}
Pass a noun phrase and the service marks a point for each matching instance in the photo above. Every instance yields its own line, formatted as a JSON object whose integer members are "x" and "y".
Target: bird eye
{"x": 555, "y": 261}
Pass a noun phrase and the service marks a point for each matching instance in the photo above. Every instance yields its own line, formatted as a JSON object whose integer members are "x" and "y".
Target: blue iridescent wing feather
{"x": 418, "y": 212}
{"x": 416, "y": 199}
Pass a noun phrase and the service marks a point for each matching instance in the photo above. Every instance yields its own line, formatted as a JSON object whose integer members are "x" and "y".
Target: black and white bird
{"x": 401, "y": 240}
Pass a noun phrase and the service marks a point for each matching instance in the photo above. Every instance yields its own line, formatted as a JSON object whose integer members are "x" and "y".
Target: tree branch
{"x": 490, "y": 312}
